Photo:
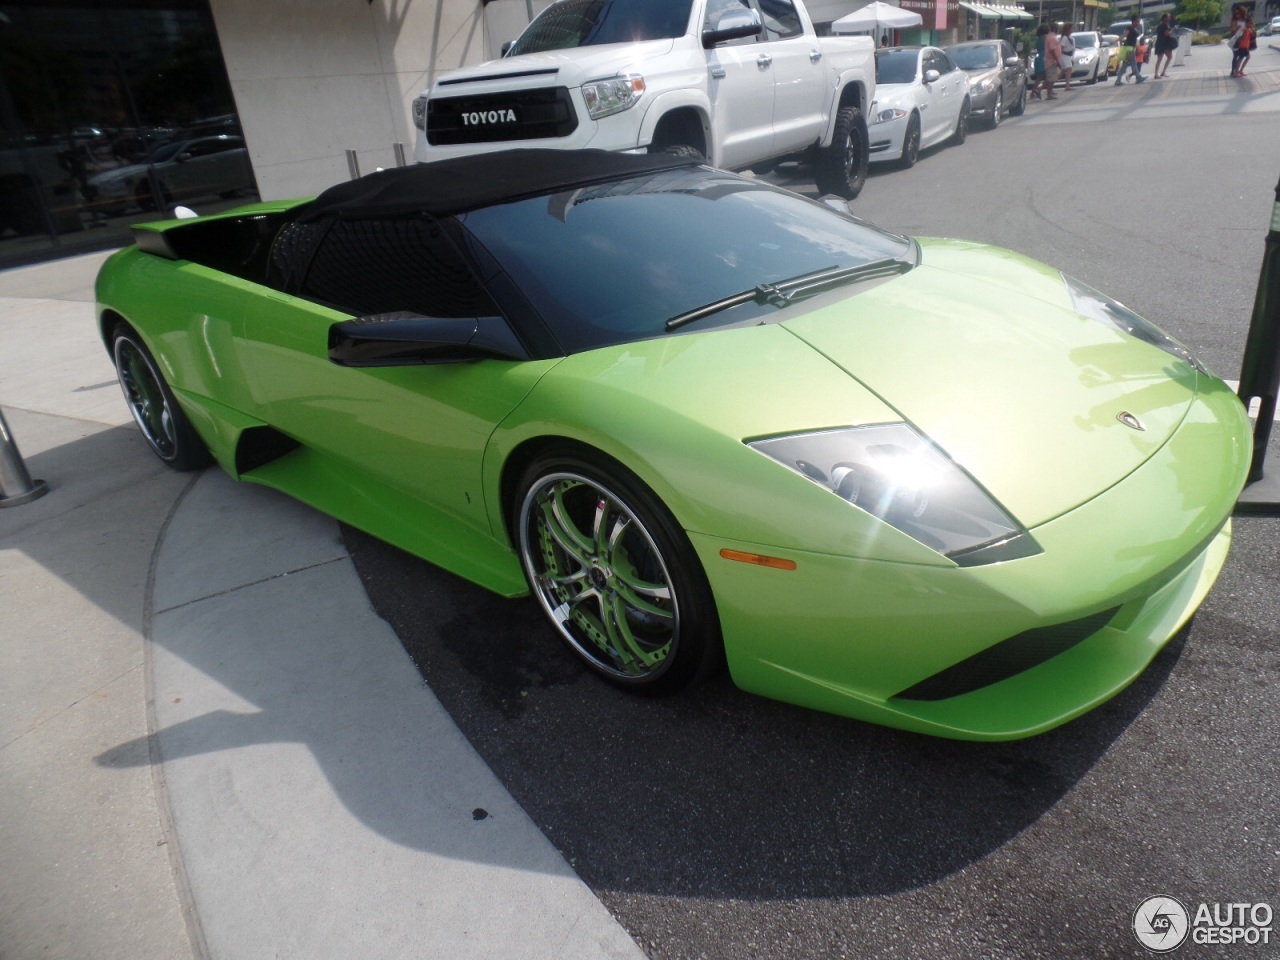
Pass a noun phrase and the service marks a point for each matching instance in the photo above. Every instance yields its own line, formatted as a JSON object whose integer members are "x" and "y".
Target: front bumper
{"x": 852, "y": 636}
{"x": 886, "y": 139}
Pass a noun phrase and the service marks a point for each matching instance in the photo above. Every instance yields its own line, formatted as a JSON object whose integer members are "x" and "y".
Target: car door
{"x": 799, "y": 92}
{"x": 1010, "y": 76}
{"x": 414, "y": 433}
{"x": 946, "y": 93}
{"x": 740, "y": 86}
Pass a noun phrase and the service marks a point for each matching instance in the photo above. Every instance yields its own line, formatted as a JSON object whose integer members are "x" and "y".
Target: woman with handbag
{"x": 1166, "y": 43}
{"x": 1068, "y": 54}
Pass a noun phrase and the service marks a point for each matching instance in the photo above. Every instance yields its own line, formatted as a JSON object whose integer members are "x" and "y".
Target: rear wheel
{"x": 163, "y": 424}
{"x": 614, "y": 573}
{"x": 842, "y": 167}
{"x": 911, "y": 143}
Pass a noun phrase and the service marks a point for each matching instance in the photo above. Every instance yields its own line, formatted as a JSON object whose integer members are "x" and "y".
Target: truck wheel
{"x": 842, "y": 167}
{"x": 681, "y": 150}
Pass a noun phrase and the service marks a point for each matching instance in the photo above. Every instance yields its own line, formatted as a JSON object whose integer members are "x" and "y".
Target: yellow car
{"x": 1111, "y": 42}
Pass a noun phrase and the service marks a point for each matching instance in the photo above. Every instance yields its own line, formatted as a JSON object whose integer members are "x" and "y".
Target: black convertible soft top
{"x": 459, "y": 184}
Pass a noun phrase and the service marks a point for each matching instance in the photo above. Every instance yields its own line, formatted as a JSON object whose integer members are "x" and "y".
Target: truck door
{"x": 800, "y": 93}
{"x": 740, "y": 83}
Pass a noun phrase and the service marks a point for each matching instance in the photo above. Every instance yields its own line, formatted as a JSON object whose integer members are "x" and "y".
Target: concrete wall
{"x": 314, "y": 78}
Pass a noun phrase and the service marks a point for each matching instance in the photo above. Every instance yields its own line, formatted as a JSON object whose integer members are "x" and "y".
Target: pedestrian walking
{"x": 1048, "y": 62}
{"x": 1068, "y": 53}
{"x": 1166, "y": 43}
{"x": 1246, "y": 41}
{"x": 1129, "y": 53}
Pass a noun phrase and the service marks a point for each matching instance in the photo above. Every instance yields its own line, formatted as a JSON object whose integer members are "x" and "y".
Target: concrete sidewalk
{"x": 209, "y": 743}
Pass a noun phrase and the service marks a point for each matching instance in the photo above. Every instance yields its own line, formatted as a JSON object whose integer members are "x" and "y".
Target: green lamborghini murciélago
{"x": 923, "y": 483}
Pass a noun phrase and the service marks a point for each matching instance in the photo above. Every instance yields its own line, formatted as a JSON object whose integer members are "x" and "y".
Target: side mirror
{"x": 1013, "y": 61}
{"x": 403, "y": 339}
{"x": 506, "y": 47}
{"x": 931, "y": 76}
{"x": 733, "y": 25}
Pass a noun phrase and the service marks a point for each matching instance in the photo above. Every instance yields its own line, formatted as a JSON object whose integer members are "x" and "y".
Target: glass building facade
{"x": 111, "y": 112}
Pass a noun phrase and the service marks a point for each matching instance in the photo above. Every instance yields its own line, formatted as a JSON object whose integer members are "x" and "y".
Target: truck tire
{"x": 842, "y": 167}
{"x": 684, "y": 150}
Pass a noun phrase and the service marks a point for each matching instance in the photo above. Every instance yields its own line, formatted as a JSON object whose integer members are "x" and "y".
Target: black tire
{"x": 911, "y": 143}
{"x": 997, "y": 109}
{"x": 164, "y": 426}
{"x": 1019, "y": 106}
{"x": 842, "y": 167}
{"x": 681, "y": 150}
{"x": 962, "y": 124}
{"x": 634, "y": 605}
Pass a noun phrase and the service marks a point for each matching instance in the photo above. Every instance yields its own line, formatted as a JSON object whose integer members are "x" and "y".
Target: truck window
{"x": 780, "y": 19}
{"x": 586, "y": 23}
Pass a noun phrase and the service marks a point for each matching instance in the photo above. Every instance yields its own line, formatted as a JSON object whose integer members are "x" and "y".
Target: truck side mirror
{"x": 733, "y": 25}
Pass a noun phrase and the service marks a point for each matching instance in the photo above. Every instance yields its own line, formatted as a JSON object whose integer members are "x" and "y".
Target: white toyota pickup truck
{"x": 745, "y": 83}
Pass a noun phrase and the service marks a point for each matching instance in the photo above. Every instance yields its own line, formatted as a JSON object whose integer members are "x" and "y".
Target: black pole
{"x": 1260, "y": 369}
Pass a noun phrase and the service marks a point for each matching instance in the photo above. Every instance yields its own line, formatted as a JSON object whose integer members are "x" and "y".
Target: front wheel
{"x": 842, "y": 167}
{"x": 163, "y": 424}
{"x": 615, "y": 574}
{"x": 1019, "y": 105}
{"x": 997, "y": 109}
{"x": 911, "y": 143}
{"x": 962, "y": 124}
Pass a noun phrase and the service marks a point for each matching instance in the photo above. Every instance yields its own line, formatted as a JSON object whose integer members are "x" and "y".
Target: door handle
{"x": 763, "y": 60}
{"x": 815, "y": 56}
{"x": 718, "y": 73}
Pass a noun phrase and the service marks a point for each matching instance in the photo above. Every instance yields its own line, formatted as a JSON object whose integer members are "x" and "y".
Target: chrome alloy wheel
{"x": 600, "y": 576}
{"x": 146, "y": 398}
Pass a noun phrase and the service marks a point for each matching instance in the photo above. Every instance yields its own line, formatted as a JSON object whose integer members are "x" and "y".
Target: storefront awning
{"x": 1012, "y": 13}
{"x": 981, "y": 9}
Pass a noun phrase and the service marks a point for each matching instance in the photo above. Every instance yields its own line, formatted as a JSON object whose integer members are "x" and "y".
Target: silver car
{"x": 997, "y": 78}
{"x": 1092, "y": 60}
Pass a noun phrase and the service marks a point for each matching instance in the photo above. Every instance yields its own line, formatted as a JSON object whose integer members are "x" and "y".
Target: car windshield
{"x": 975, "y": 58}
{"x": 613, "y": 263}
{"x": 1085, "y": 41}
{"x": 896, "y": 66}
{"x": 586, "y": 23}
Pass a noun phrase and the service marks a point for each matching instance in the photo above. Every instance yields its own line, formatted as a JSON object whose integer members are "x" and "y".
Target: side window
{"x": 718, "y": 8}
{"x": 945, "y": 63}
{"x": 780, "y": 19}
{"x": 379, "y": 266}
{"x": 1006, "y": 50}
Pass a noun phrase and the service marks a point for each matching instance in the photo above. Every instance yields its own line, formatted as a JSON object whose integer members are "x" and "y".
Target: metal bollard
{"x": 398, "y": 150}
{"x": 16, "y": 486}
{"x": 1260, "y": 371}
{"x": 353, "y": 165}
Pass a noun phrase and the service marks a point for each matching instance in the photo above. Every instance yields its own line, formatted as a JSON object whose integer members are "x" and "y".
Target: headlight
{"x": 605, "y": 97}
{"x": 891, "y": 113}
{"x": 1088, "y": 302}
{"x": 420, "y": 112}
{"x": 985, "y": 86}
{"x": 894, "y": 474}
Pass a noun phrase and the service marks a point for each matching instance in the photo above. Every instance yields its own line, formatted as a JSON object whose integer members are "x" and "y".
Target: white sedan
{"x": 922, "y": 99}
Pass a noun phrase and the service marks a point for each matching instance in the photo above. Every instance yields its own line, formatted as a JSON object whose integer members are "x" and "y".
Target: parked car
{"x": 744, "y": 85}
{"x": 922, "y": 99}
{"x": 185, "y": 170}
{"x": 1090, "y": 61}
{"x": 1111, "y": 44}
{"x": 997, "y": 78}
{"x": 930, "y": 484}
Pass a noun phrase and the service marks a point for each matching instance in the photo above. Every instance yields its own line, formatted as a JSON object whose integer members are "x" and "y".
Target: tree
{"x": 1201, "y": 10}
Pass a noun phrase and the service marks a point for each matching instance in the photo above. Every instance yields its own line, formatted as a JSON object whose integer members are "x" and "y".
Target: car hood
{"x": 558, "y": 67}
{"x": 981, "y": 350}
{"x": 983, "y": 73}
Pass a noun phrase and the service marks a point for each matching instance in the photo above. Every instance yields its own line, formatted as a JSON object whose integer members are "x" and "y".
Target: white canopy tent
{"x": 877, "y": 16}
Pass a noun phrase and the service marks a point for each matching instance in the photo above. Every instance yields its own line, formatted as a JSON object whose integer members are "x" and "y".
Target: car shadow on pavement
{"x": 717, "y": 793}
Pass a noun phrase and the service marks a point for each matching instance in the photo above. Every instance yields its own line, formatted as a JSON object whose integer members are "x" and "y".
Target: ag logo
{"x": 1161, "y": 924}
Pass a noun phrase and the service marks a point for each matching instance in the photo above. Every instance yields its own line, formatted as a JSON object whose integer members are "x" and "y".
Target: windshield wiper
{"x": 784, "y": 291}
